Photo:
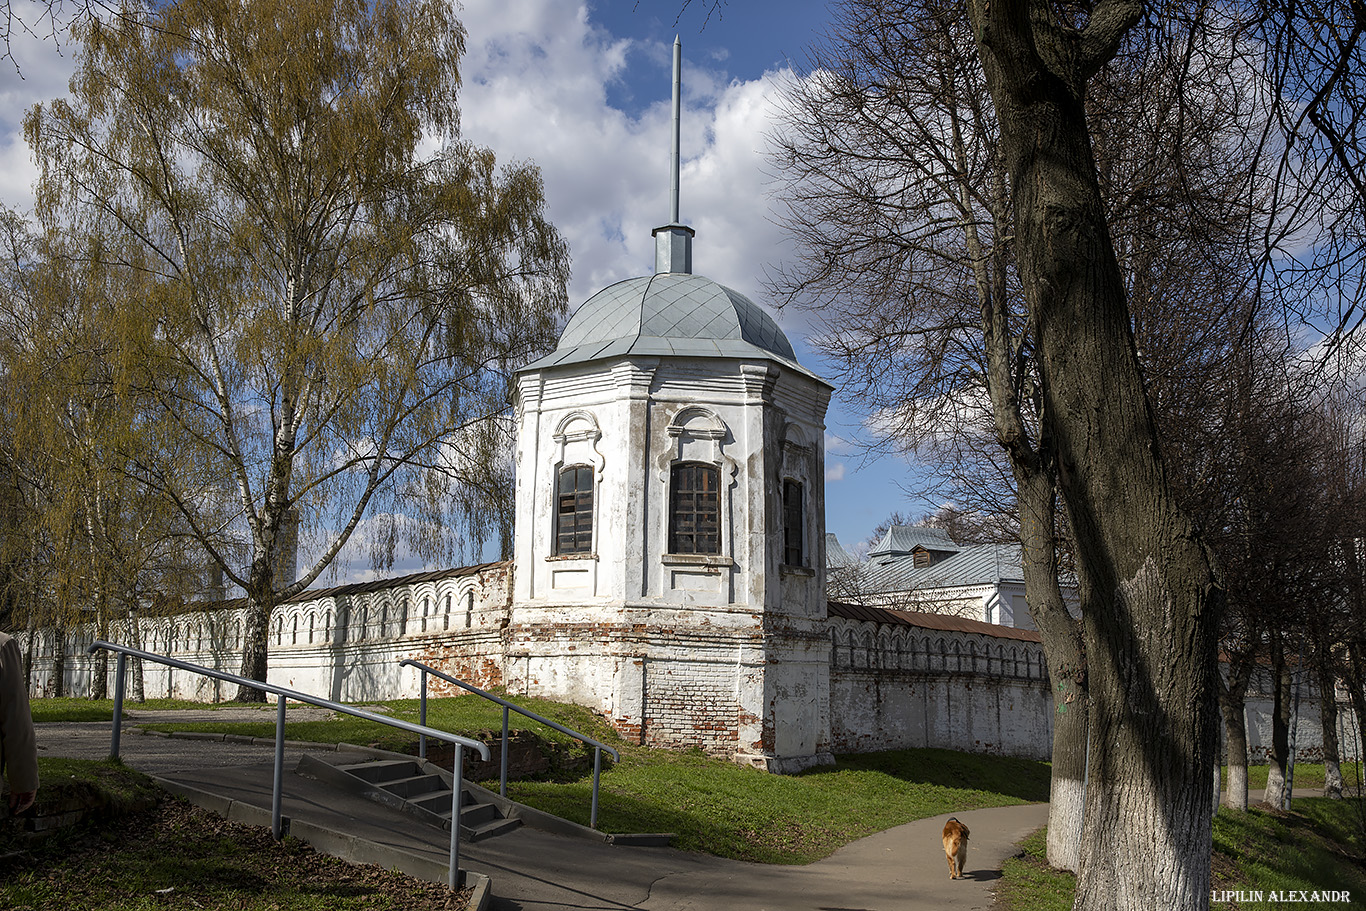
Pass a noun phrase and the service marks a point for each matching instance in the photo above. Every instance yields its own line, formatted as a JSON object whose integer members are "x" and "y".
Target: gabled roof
{"x": 836, "y": 557}
{"x": 901, "y": 540}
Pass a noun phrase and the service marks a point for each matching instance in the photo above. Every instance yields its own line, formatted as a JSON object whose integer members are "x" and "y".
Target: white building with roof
{"x": 923, "y": 570}
{"x": 670, "y": 520}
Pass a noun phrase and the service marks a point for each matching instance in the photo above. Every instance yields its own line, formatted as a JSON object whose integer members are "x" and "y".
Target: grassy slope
{"x": 174, "y": 856}
{"x": 1307, "y": 775}
{"x": 721, "y": 808}
{"x": 1319, "y": 846}
{"x": 471, "y": 717}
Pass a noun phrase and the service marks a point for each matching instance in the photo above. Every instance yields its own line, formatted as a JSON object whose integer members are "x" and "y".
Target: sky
{"x": 583, "y": 90}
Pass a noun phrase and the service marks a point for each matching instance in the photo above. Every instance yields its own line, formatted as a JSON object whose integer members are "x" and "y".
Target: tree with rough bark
{"x": 1149, "y": 593}
{"x": 339, "y": 285}
{"x": 901, "y": 204}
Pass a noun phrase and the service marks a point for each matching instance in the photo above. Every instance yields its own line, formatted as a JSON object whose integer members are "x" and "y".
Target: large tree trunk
{"x": 1066, "y": 665}
{"x": 1356, "y": 692}
{"x": 1067, "y": 787}
{"x": 268, "y": 534}
{"x": 135, "y": 640}
{"x": 59, "y": 661}
{"x": 255, "y": 650}
{"x": 1328, "y": 721}
{"x": 1277, "y": 795}
{"x": 99, "y": 675}
{"x": 1232, "y": 699}
{"x": 1150, "y": 595}
{"x": 256, "y": 634}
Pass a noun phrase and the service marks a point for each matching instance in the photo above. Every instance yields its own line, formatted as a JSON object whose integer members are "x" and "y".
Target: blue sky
{"x": 584, "y": 91}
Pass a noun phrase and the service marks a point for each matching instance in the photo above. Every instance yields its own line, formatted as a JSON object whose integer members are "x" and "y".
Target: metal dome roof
{"x": 670, "y": 313}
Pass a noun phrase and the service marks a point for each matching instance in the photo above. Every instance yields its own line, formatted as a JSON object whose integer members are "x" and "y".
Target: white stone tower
{"x": 670, "y": 533}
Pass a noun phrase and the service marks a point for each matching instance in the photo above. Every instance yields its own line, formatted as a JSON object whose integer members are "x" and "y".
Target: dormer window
{"x": 574, "y": 510}
{"x": 695, "y": 509}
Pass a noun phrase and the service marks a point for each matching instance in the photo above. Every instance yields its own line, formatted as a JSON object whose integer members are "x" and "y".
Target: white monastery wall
{"x": 343, "y": 643}
{"x": 670, "y": 676}
{"x": 901, "y": 687}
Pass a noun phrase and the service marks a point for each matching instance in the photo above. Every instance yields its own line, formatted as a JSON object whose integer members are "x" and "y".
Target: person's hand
{"x": 21, "y": 801}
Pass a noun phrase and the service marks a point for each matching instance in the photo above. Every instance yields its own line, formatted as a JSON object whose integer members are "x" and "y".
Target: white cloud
{"x": 536, "y": 77}
{"x": 834, "y": 471}
{"x": 43, "y": 59}
{"x": 837, "y": 445}
{"x": 536, "y": 88}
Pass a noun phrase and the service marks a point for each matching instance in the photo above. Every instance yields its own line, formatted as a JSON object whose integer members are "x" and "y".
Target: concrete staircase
{"x": 416, "y": 788}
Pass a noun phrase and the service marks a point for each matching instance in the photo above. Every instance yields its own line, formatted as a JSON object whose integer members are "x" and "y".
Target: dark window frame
{"x": 695, "y": 509}
{"x": 574, "y": 510}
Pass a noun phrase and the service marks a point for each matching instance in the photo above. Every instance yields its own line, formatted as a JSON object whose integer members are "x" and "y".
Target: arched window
{"x": 694, "y": 509}
{"x": 574, "y": 510}
{"x": 469, "y": 608}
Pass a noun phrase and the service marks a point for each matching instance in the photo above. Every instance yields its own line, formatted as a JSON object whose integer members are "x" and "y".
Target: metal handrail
{"x": 597, "y": 746}
{"x": 284, "y": 693}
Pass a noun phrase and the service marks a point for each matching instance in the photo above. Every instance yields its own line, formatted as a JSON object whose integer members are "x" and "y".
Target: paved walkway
{"x": 902, "y": 869}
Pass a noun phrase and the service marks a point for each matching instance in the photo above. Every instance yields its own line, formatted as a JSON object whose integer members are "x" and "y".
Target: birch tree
{"x": 339, "y": 284}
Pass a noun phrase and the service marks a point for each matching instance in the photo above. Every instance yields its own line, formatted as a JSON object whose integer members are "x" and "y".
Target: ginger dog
{"x": 956, "y": 847}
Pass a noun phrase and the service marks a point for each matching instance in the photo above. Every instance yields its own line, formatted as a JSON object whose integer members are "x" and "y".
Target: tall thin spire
{"x": 677, "y": 120}
{"x": 673, "y": 242}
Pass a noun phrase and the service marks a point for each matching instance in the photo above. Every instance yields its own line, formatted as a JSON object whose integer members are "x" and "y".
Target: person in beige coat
{"x": 18, "y": 745}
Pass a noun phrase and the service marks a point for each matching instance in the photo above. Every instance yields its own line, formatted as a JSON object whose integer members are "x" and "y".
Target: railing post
{"x": 457, "y": 793}
{"x": 119, "y": 666}
{"x": 422, "y": 738}
{"x": 597, "y": 772}
{"x": 275, "y": 820}
{"x": 503, "y": 775}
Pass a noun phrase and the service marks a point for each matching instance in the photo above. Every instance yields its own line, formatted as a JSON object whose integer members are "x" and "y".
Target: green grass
{"x": 1316, "y": 847}
{"x": 77, "y": 709}
{"x": 1307, "y": 775}
{"x": 1028, "y": 882}
{"x": 477, "y": 718}
{"x": 1319, "y": 846}
{"x": 715, "y": 806}
{"x": 107, "y": 787}
{"x": 171, "y": 855}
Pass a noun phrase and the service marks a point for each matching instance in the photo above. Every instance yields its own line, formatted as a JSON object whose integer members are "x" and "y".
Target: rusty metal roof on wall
{"x": 374, "y": 585}
{"x": 357, "y": 588}
{"x": 942, "y": 622}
